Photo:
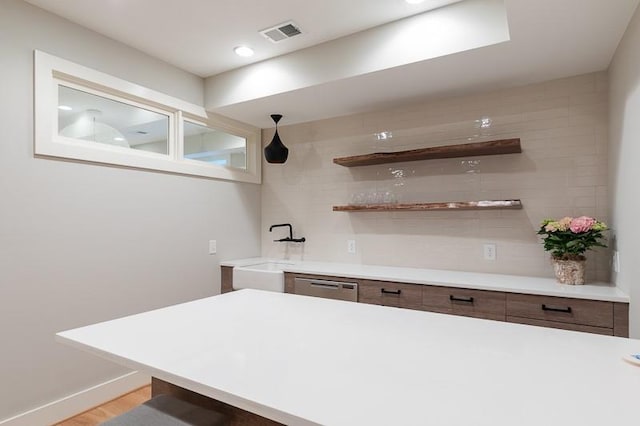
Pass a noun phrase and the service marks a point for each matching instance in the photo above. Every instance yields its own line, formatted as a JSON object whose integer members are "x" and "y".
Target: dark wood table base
{"x": 237, "y": 416}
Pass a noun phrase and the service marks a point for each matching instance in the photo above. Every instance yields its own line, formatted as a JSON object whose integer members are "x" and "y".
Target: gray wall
{"x": 623, "y": 157}
{"x": 81, "y": 243}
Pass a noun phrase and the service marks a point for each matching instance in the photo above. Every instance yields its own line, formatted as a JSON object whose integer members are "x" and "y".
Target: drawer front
{"x": 562, "y": 325}
{"x": 390, "y": 294}
{"x": 559, "y": 309}
{"x": 460, "y": 301}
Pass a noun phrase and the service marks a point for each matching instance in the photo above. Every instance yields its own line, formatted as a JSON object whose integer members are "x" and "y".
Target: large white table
{"x": 301, "y": 360}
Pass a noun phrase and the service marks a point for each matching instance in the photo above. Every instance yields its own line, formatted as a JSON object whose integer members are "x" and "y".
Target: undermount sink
{"x": 267, "y": 275}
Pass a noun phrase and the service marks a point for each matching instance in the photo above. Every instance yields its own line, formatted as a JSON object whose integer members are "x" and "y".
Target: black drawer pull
{"x": 396, "y": 292}
{"x": 460, "y": 299}
{"x": 566, "y": 310}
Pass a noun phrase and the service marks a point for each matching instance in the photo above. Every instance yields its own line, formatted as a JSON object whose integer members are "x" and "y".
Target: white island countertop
{"x": 302, "y": 361}
{"x": 471, "y": 280}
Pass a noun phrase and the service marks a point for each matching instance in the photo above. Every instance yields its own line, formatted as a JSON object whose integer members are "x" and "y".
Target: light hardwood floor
{"x": 110, "y": 409}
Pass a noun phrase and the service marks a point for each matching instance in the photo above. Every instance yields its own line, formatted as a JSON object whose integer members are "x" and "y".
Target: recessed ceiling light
{"x": 414, "y": 1}
{"x": 118, "y": 139}
{"x": 243, "y": 51}
{"x": 64, "y": 107}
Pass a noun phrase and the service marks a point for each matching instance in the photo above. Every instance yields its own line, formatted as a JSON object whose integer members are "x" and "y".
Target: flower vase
{"x": 569, "y": 271}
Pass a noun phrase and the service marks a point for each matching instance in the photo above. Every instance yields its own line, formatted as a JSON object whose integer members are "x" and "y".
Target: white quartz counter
{"x": 304, "y": 361}
{"x": 471, "y": 280}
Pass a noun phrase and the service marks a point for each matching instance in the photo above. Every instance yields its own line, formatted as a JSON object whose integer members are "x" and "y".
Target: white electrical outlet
{"x": 213, "y": 247}
{"x": 489, "y": 252}
{"x": 616, "y": 261}
{"x": 351, "y": 246}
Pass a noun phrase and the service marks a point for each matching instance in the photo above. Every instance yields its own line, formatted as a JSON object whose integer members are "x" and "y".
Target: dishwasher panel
{"x": 327, "y": 289}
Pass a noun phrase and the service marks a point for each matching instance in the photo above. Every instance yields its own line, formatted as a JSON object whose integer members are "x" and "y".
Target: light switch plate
{"x": 351, "y": 246}
{"x": 213, "y": 246}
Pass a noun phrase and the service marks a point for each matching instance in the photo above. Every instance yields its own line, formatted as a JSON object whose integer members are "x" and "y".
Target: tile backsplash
{"x": 562, "y": 171}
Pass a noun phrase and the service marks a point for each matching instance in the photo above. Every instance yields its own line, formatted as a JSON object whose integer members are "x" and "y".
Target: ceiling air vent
{"x": 281, "y": 32}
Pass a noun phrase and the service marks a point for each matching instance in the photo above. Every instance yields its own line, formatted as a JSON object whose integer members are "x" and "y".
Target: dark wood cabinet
{"x": 226, "y": 279}
{"x": 386, "y": 293}
{"x": 621, "y": 319}
{"x": 461, "y": 301}
{"x": 559, "y": 309}
{"x": 562, "y": 325}
{"x": 590, "y": 316}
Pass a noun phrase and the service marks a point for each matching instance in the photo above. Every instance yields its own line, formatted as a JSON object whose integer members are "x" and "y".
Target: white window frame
{"x": 51, "y": 71}
{"x": 218, "y": 122}
{"x": 86, "y": 147}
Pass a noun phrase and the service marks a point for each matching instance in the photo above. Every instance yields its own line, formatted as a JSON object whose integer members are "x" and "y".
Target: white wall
{"x": 81, "y": 243}
{"x": 562, "y": 171}
{"x": 624, "y": 169}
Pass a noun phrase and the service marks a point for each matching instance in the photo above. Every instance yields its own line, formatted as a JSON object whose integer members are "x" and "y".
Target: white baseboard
{"x": 79, "y": 402}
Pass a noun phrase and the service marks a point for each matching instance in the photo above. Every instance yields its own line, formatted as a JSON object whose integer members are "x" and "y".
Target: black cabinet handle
{"x": 566, "y": 310}
{"x": 460, "y": 299}
{"x": 396, "y": 292}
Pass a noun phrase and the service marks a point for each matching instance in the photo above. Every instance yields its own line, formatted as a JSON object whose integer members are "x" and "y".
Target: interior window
{"x": 93, "y": 118}
{"x": 86, "y": 115}
{"x": 202, "y": 143}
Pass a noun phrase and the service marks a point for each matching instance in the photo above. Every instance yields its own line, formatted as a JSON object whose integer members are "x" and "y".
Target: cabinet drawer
{"x": 559, "y": 309}
{"x": 390, "y": 294}
{"x": 460, "y": 301}
{"x": 562, "y": 325}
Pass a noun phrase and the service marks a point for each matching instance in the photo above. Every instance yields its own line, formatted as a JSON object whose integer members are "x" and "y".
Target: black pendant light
{"x": 276, "y": 152}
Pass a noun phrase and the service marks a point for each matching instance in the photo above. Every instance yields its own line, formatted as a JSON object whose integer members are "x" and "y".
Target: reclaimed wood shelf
{"x": 456, "y": 205}
{"x": 497, "y": 147}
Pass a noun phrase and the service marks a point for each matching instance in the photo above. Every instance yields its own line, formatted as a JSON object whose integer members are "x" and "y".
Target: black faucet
{"x": 290, "y": 238}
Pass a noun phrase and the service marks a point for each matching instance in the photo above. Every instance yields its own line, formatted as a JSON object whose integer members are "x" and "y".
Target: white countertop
{"x": 471, "y": 280}
{"x": 301, "y": 361}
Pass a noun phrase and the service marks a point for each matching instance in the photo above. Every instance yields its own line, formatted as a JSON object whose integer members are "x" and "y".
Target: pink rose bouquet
{"x": 568, "y": 238}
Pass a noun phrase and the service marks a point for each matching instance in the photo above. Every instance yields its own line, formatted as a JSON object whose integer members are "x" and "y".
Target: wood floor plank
{"x": 110, "y": 409}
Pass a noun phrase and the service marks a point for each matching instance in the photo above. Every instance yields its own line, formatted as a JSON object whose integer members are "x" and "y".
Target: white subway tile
{"x": 562, "y": 171}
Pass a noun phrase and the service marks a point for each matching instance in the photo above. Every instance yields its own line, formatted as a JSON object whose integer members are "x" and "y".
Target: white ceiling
{"x": 549, "y": 39}
{"x": 199, "y": 35}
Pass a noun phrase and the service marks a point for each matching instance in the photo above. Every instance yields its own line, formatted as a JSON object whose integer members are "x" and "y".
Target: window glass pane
{"x": 89, "y": 117}
{"x": 214, "y": 146}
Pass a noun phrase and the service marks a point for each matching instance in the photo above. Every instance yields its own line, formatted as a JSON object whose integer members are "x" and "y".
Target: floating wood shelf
{"x": 502, "y": 146}
{"x": 457, "y": 205}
